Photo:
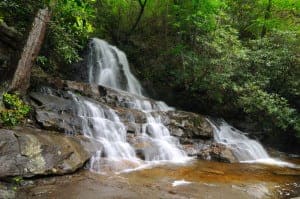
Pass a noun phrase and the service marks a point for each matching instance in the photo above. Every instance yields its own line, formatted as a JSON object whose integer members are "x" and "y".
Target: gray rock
{"x": 7, "y": 191}
{"x": 28, "y": 152}
{"x": 55, "y": 110}
{"x": 217, "y": 152}
{"x": 189, "y": 125}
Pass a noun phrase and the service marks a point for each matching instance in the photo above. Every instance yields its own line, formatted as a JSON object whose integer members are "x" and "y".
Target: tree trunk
{"x": 21, "y": 79}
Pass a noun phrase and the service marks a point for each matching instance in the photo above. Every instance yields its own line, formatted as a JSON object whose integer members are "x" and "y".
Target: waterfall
{"x": 245, "y": 149}
{"x": 164, "y": 146}
{"x": 108, "y": 66}
{"x": 101, "y": 124}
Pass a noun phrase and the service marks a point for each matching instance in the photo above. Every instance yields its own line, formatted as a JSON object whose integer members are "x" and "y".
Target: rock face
{"x": 55, "y": 109}
{"x": 217, "y": 152}
{"x": 189, "y": 125}
{"x": 54, "y": 105}
{"x": 28, "y": 152}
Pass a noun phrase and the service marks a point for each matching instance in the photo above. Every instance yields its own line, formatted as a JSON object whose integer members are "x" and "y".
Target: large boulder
{"x": 28, "y": 152}
{"x": 187, "y": 125}
{"x": 217, "y": 152}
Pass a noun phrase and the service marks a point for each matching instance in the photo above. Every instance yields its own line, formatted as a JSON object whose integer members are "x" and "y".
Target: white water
{"x": 245, "y": 149}
{"x": 108, "y": 66}
{"x": 180, "y": 182}
{"x": 164, "y": 146}
{"x": 103, "y": 126}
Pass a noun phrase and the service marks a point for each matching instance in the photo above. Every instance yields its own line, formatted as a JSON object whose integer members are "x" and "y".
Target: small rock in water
{"x": 180, "y": 182}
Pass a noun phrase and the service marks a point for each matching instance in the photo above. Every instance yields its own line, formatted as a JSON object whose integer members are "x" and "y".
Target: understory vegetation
{"x": 14, "y": 111}
{"x": 229, "y": 58}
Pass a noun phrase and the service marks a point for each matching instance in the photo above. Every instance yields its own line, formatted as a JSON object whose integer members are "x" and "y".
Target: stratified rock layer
{"x": 55, "y": 109}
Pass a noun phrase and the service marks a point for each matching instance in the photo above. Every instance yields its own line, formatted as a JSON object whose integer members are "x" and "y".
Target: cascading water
{"x": 103, "y": 126}
{"x": 164, "y": 146}
{"x": 108, "y": 66}
{"x": 245, "y": 149}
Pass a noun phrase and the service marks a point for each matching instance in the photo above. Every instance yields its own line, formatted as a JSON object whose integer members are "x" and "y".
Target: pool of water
{"x": 197, "y": 179}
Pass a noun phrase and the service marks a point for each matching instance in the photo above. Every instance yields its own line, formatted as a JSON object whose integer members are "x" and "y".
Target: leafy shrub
{"x": 268, "y": 108}
{"x": 69, "y": 29}
{"x": 16, "y": 110}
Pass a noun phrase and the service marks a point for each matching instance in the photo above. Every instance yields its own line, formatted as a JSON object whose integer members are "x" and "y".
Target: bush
{"x": 268, "y": 108}
{"x": 15, "y": 110}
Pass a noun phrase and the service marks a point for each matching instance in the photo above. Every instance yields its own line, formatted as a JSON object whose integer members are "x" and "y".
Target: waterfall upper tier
{"x": 108, "y": 66}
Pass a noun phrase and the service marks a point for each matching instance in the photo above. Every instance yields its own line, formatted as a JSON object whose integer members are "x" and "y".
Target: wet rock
{"x": 55, "y": 109}
{"x": 217, "y": 152}
{"x": 57, "y": 102}
{"x": 257, "y": 191}
{"x": 28, "y": 152}
{"x": 131, "y": 116}
{"x": 55, "y": 112}
{"x": 192, "y": 149}
{"x": 189, "y": 127}
{"x": 7, "y": 191}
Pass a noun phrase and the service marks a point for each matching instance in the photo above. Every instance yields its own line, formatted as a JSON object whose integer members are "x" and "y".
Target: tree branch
{"x": 142, "y": 6}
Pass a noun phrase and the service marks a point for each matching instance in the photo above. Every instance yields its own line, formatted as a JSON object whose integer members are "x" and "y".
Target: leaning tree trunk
{"x": 21, "y": 79}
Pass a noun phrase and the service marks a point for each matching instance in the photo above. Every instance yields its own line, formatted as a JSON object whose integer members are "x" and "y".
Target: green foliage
{"x": 227, "y": 56}
{"x": 19, "y": 13}
{"x": 270, "y": 109}
{"x": 16, "y": 110}
{"x": 69, "y": 29}
{"x": 17, "y": 181}
{"x": 250, "y": 17}
{"x": 195, "y": 15}
{"x": 275, "y": 63}
{"x": 214, "y": 52}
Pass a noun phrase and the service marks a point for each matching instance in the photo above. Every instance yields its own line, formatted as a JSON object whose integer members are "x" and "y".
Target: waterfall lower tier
{"x": 165, "y": 147}
{"x": 102, "y": 124}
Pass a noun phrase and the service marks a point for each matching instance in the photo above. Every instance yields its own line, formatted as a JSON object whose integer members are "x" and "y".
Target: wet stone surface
{"x": 202, "y": 179}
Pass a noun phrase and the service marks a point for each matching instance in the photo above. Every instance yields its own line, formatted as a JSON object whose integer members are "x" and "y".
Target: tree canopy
{"x": 230, "y": 58}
